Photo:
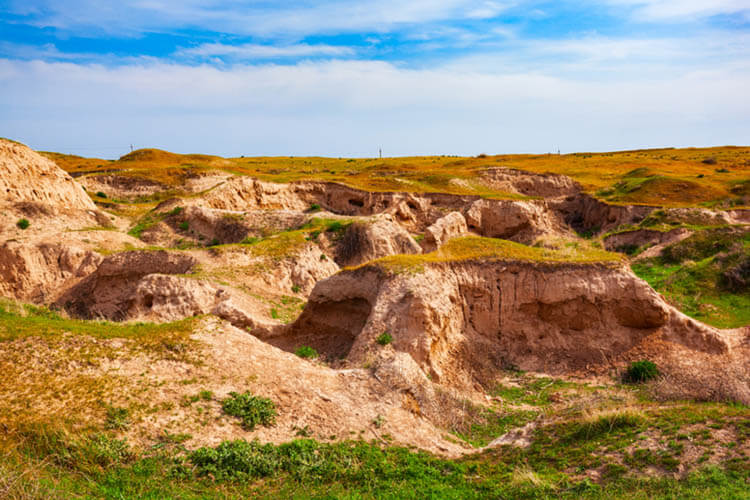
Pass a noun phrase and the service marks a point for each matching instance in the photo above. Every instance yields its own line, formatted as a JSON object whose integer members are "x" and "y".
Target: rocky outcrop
{"x": 462, "y": 322}
{"x": 380, "y": 237}
{"x": 519, "y": 221}
{"x": 39, "y": 272}
{"x": 630, "y": 240}
{"x": 584, "y": 213}
{"x": 445, "y": 228}
{"x": 531, "y": 184}
{"x": 108, "y": 291}
{"x": 159, "y": 297}
{"x": 26, "y": 176}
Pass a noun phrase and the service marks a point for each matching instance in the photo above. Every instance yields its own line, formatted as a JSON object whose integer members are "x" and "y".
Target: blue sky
{"x": 344, "y": 78}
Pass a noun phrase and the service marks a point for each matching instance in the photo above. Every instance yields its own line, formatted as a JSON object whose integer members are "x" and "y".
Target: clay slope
{"x": 463, "y": 322}
{"x": 26, "y": 176}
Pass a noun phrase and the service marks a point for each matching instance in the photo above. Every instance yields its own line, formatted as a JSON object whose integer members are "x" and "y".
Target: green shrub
{"x": 117, "y": 418}
{"x": 296, "y": 288}
{"x": 306, "y": 352}
{"x": 101, "y": 194}
{"x": 184, "y": 225}
{"x": 384, "y": 338}
{"x": 251, "y": 240}
{"x": 176, "y": 211}
{"x": 252, "y": 410}
{"x": 641, "y": 371}
{"x": 314, "y": 208}
{"x": 23, "y": 223}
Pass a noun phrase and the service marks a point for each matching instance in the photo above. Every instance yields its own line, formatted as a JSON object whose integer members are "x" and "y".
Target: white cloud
{"x": 256, "y": 51}
{"x": 353, "y": 107}
{"x": 249, "y": 17}
{"x": 660, "y": 10}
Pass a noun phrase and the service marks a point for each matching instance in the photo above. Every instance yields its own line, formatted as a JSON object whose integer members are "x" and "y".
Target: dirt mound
{"x": 518, "y": 221}
{"x": 445, "y": 228}
{"x": 380, "y": 237}
{"x": 108, "y": 291}
{"x": 531, "y": 184}
{"x": 26, "y": 176}
{"x": 121, "y": 186}
{"x": 462, "y": 322}
{"x": 629, "y": 241}
{"x": 38, "y": 272}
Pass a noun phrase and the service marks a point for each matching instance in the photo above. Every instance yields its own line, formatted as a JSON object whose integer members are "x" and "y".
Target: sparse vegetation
{"x": 641, "y": 371}
{"x": 252, "y": 410}
{"x": 23, "y": 223}
{"x": 306, "y": 352}
{"x": 384, "y": 338}
{"x": 478, "y": 248}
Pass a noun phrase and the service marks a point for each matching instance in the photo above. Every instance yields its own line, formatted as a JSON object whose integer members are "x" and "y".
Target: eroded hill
{"x": 422, "y": 302}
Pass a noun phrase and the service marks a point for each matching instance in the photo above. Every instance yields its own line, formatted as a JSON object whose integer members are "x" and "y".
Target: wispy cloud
{"x": 661, "y": 10}
{"x": 249, "y": 17}
{"x": 257, "y": 51}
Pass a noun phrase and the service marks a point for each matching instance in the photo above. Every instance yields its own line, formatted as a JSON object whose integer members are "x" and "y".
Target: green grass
{"x": 59, "y": 464}
{"x": 691, "y": 274}
{"x": 251, "y": 410}
{"x": 21, "y": 321}
{"x": 384, "y": 338}
{"x": 489, "y": 249}
{"x": 306, "y": 352}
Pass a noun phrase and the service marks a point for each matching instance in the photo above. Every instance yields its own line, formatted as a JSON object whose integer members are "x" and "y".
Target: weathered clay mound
{"x": 107, "y": 292}
{"x": 445, "y": 228}
{"x": 26, "y": 176}
{"x": 520, "y": 221}
{"x": 121, "y": 186}
{"x": 629, "y": 241}
{"x": 38, "y": 272}
{"x": 463, "y": 322}
{"x": 531, "y": 184}
{"x": 584, "y": 213}
{"x": 365, "y": 241}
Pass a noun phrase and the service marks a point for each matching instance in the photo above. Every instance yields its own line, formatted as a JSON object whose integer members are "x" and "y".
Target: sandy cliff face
{"x": 463, "y": 322}
{"x": 26, "y": 176}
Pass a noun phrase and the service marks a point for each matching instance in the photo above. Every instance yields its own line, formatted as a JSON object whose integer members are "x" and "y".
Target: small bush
{"x": 250, "y": 240}
{"x": 314, "y": 208}
{"x": 296, "y": 288}
{"x": 252, "y": 410}
{"x": 214, "y": 242}
{"x": 384, "y": 338}
{"x": 176, "y": 211}
{"x": 641, "y": 371}
{"x": 117, "y": 418}
{"x": 306, "y": 352}
{"x": 23, "y": 223}
{"x": 274, "y": 313}
{"x": 101, "y": 194}
{"x": 184, "y": 225}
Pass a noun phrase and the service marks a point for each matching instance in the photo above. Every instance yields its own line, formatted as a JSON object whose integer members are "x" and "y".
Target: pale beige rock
{"x": 26, "y": 176}
{"x": 444, "y": 229}
{"x": 37, "y": 272}
{"x": 379, "y": 237}
{"x": 464, "y": 322}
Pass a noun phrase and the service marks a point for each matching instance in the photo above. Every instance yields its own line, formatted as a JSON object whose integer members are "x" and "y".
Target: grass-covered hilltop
{"x": 511, "y": 326}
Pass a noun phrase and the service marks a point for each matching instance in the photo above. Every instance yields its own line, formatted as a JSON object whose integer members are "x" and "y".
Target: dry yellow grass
{"x": 488, "y": 249}
{"x": 668, "y": 177}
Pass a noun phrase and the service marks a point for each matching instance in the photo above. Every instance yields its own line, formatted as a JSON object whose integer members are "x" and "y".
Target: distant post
{"x": 380, "y": 151}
